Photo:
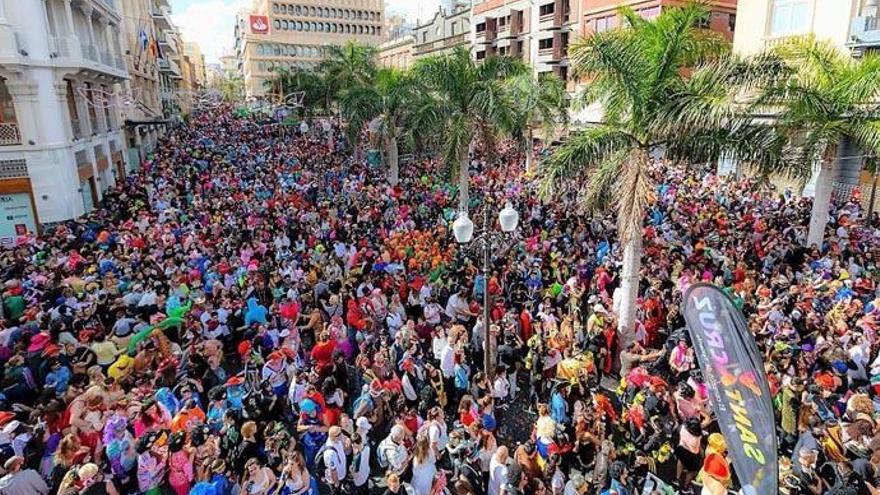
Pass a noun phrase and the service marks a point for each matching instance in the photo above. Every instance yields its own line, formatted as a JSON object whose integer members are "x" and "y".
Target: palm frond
{"x": 580, "y": 154}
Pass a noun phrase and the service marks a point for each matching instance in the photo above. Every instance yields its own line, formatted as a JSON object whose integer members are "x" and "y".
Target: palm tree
{"x": 666, "y": 88}
{"x": 541, "y": 102}
{"x": 471, "y": 97}
{"x": 827, "y": 98}
{"x": 397, "y": 105}
{"x": 345, "y": 67}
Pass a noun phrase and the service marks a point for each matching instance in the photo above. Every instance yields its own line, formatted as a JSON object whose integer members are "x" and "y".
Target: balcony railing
{"x": 76, "y": 126}
{"x": 89, "y": 51}
{"x": 9, "y": 134}
{"x": 59, "y": 46}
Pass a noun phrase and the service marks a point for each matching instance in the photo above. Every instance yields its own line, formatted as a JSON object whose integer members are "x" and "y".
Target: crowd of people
{"x": 256, "y": 312}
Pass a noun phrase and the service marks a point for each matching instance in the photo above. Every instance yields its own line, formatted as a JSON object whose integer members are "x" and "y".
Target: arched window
{"x": 284, "y": 25}
{"x": 306, "y": 27}
{"x": 276, "y": 24}
{"x": 298, "y": 10}
{"x": 274, "y": 8}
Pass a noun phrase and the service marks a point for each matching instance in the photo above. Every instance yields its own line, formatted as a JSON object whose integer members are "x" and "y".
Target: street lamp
{"x": 487, "y": 242}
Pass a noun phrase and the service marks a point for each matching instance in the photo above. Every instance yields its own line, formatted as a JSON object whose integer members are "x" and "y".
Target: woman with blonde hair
{"x": 424, "y": 465}
{"x": 257, "y": 479}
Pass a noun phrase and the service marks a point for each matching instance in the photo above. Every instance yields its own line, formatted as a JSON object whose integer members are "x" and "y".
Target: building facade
{"x": 447, "y": 30}
{"x": 764, "y": 23}
{"x": 276, "y": 35}
{"x": 61, "y": 141}
{"x": 539, "y": 32}
{"x": 142, "y": 19}
{"x": 170, "y": 72}
{"x": 601, "y": 15}
{"x": 396, "y": 53}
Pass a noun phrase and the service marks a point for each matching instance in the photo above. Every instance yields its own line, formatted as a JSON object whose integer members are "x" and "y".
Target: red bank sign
{"x": 259, "y": 24}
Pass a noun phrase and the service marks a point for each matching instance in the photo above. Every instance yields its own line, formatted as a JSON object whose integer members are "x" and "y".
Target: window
{"x": 648, "y": 12}
{"x": 285, "y": 25}
{"x": 546, "y": 9}
{"x": 789, "y": 17}
{"x": 424, "y": 36}
{"x": 326, "y": 27}
{"x": 276, "y": 24}
{"x": 277, "y": 50}
{"x": 502, "y": 21}
{"x": 348, "y": 29}
{"x": 306, "y": 26}
{"x": 604, "y": 23}
{"x": 312, "y": 11}
{"x": 545, "y": 44}
{"x": 503, "y": 51}
{"x": 453, "y": 28}
{"x": 298, "y": 10}
{"x": 481, "y": 55}
{"x": 274, "y": 8}
{"x": 731, "y": 22}
{"x": 299, "y": 26}
{"x": 481, "y": 27}
{"x": 333, "y": 13}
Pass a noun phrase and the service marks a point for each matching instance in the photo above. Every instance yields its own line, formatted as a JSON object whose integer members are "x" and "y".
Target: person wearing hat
{"x": 92, "y": 482}
{"x": 21, "y": 481}
{"x": 715, "y": 473}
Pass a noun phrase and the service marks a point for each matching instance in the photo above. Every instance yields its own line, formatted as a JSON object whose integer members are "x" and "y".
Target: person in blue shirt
{"x": 559, "y": 405}
{"x": 58, "y": 378}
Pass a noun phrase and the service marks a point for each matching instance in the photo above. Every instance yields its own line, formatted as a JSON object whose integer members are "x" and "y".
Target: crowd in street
{"x": 256, "y": 312}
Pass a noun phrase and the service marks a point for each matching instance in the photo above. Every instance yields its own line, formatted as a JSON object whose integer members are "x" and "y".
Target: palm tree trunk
{"x": 822, "y": 199}
{"x": 629, "y": 290}
{"x": 530, "y": 140}
{"x": 464, "y": 179}
{"x": 393, "y": 165}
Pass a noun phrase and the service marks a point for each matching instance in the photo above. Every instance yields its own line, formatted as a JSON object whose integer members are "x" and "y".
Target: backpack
{"x": 321, "y": 465}
{"x": 382, "y": 454}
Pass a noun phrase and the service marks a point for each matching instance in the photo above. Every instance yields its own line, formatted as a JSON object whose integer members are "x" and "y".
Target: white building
{"x": 60, "y": 146}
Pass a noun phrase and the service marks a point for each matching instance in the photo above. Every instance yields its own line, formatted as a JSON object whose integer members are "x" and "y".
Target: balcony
{"x": 161, "y": 18}
{"x": 9, "y": 134}
{"x": 89, "y": 51}
{"x": 77, "y": 129}
{"x": 516, "y": 23}
{"x": 168, "y": 43}
{"x": 864, "y": 31}
{"x": 59, "y": 47}
{"x": 169, "y": 66}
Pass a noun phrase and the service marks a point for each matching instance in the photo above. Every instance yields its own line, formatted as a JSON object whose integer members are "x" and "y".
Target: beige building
{"x": 445, "y": 31}
{"x": 397, "y": 53}
{"x": 275, "y": 35}
{"x": 851, "y": 25}
{"x": 138, "y": 25}
{"x": 762, "y": 23}
{"x": 193, "y": 52}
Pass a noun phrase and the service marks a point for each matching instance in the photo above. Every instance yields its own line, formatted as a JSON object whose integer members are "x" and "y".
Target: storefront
{"x": 17, "y": 210}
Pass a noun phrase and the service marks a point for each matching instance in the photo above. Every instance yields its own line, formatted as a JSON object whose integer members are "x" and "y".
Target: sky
{"x": 210, "y": 23}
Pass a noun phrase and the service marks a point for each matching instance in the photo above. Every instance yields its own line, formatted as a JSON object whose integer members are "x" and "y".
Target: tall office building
{"x": 277, "y": 34}
{"x": 61, "y": 62}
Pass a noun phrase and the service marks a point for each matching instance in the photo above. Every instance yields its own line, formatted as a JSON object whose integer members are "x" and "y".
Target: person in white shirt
{"x": 360, "y": 465}
{"x": 498, "y": 471}
{"x": 457, "y": 307}
{"x": 334, "y": 459}
{"x": 437, "y": 431}
{"x": 394, "y": 451}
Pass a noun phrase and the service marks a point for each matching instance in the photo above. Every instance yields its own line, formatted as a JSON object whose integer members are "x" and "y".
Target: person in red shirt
{"x": 322, "y": 354}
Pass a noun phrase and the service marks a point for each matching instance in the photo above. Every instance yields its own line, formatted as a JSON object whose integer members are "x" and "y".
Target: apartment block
{"x": 601, "y": 15}
{"x": 539, "y": 32}
{"x": 62, "y": 65}
{"x": 275, "y": 35}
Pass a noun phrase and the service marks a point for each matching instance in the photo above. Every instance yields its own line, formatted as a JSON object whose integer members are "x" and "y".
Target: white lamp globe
{"x": 509, "y": 218}
{"x": 463, "y": 228}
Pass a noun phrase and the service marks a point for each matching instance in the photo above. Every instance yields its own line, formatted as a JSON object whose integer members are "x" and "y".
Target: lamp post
{"x": 485, "y": 243}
